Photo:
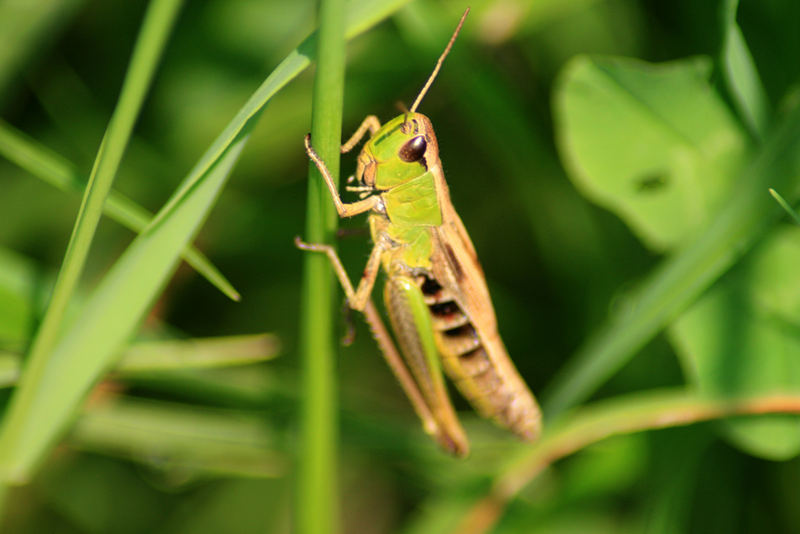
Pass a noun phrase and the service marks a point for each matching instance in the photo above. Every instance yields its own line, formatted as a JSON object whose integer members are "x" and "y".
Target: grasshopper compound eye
{"x": 413, "y": 150}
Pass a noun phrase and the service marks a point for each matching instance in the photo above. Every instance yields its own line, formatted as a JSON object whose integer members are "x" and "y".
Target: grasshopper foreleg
{"x": 343, "y": 209}
{"x": 370, "y": 123}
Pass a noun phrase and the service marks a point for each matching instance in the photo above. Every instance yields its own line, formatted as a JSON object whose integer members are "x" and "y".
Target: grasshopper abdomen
{"x": 497, "y": 393}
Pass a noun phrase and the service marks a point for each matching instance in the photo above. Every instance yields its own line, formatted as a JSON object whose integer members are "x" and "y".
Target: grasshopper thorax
{"x": 401, "y": 150}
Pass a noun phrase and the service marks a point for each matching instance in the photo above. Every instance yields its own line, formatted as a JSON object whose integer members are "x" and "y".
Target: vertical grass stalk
{"x": 316, "y": 509}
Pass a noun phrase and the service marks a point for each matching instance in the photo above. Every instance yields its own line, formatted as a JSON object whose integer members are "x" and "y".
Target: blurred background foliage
{"x": 586, "y": 143}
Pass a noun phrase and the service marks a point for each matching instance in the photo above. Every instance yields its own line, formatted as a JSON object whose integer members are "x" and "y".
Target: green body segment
{"x": 414, "y": 203}
{"x": 412, "y": 210}
{"x": 408, "y": 189}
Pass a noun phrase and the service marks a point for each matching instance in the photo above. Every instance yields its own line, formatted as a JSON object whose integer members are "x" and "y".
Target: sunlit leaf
{"x": 653, "y": 143}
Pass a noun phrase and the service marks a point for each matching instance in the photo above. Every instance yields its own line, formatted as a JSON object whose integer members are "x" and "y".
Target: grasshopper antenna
{"x": 439, "y": 63}
{"x": 402, "y": 107}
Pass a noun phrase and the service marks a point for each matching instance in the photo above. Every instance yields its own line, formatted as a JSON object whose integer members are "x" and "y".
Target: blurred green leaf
{"x": 653, "y": 143}
{"x": 22, "y": 297}
{"x": 182, "y": 438}
{"x": 607, "y": 467}
{"x": 742, "y": 338}
{"x": 148, "y": 358}
{"x": 25, "y": 27}
{"x": 198, "y": 352}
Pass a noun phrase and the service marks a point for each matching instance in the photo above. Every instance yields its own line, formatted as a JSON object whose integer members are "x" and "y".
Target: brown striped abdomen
{"x": 479, "y": 366}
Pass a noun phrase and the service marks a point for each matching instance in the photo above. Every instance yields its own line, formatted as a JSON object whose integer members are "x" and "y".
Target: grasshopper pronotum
{"x": 435, "y": 294}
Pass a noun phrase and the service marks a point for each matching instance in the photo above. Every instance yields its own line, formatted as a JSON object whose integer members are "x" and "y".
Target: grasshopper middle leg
{"x": 370, "y": 123}
{"x": 356, "y": 297}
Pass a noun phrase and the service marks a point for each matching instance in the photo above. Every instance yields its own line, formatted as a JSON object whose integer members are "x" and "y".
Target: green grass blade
{"x": 685, "y": 275}
{"x": 148, "y": 357}
{"x": 196, "y": 353}
{"x": 317, "y": 478}
{"x": 785, "y": 205}
{"x": 43, "y": 407}
{"x": 158, "y": 21}
{"x": 58, "y": 172}
{"x": 741, "y": 75}
{"x": 156, "y": 26}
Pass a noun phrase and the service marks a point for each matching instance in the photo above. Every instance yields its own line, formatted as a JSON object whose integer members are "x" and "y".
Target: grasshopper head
{"x": 405, "y": 147}
{"x": 401, "y": 150}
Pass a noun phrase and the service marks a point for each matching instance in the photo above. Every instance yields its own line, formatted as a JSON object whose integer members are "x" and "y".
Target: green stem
{"x": 316, "y": 507}
{"x": 638, "y": 412}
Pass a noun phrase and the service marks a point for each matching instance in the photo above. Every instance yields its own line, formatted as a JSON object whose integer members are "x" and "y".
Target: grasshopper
{"x": 435, "y": 294}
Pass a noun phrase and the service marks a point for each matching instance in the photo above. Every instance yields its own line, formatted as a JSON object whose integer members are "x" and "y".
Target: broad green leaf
{"x": 738, "y": 223}
{"x": 653, "y": 143}
{"x": 743, "y": 338}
